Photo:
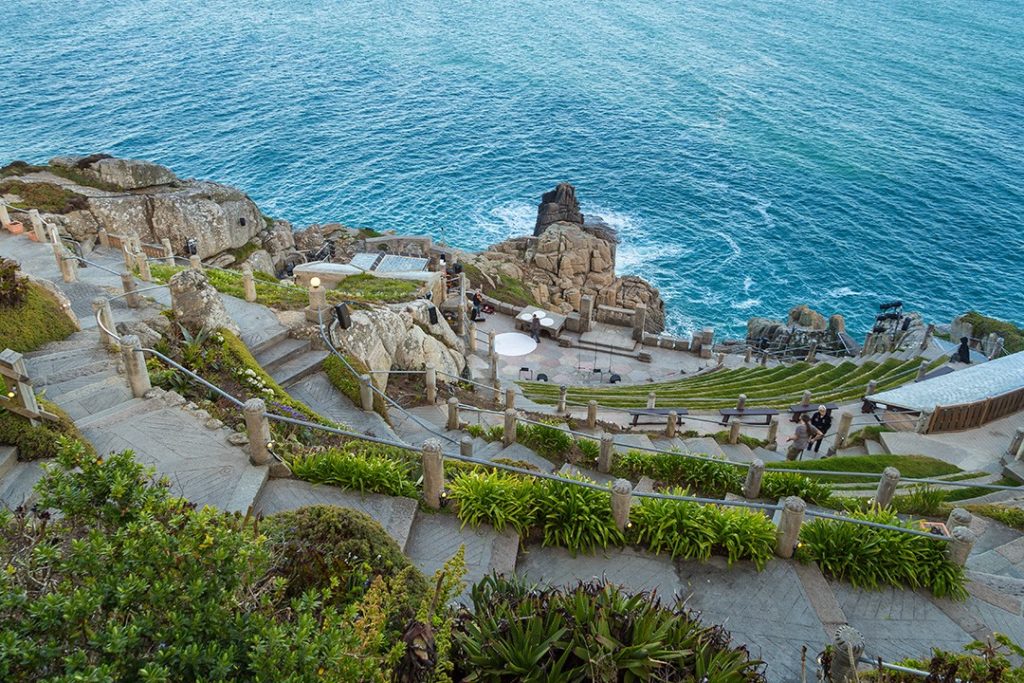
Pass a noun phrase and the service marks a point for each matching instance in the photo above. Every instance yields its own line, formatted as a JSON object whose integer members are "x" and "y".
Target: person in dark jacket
{"x": 822, "y": 421}
{"x": 963, "y": 353}
{"x": 478, "y": 302}
{"x": 535, "y": 328}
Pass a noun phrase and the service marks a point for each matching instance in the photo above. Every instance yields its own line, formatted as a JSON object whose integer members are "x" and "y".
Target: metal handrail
{"x": 896, "y": 667}
{"x": 876, "y": 525}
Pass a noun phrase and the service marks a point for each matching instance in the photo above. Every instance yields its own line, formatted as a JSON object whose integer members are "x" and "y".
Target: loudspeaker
{"x": 341, "y": 313}
{"x": 433, "y": 315}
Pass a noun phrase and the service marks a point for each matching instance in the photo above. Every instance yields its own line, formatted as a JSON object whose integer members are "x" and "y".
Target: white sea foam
{"x": 745, "y": 304}
{"x": 747, "y": 283}
{"x": 843, "y": 291}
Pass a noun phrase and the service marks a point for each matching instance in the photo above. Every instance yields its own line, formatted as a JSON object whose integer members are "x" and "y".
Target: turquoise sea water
{"x": 753, "y": 155}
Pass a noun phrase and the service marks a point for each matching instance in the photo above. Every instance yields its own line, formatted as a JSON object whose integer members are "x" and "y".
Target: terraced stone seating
{"x": 778, "y": 387}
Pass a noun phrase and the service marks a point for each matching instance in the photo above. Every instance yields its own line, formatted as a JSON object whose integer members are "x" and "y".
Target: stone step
{"x": 705, "y": 445}
{"x": 55, "y": 392}
{"x": 518, "y": 451}
{"x": 264, "y": 343}
{"x": 8, "y": 459}
{"x": 488, "y": 450}
{"x": 737, "y": 452}
{"x": 874, "y": 447}
{"x": 119, "y": 413}
{"x": 16, "y": 487}
{"x": 76, "y": 342}
{"x": 280, "y": 353}
{"x": 92, "y": 398}
{"x": 250, "y": 483}
{"x": 853, "y": 450}
{"x": 299, "y": 367}
{"x": 630, "y": 441}
{"x": 767, "y": 455}
{"x": 910, "y": 443}
{"x": 83, "y": 368}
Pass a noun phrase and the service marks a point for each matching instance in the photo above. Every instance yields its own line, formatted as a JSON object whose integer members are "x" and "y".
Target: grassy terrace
{"x": 775, "y": 387}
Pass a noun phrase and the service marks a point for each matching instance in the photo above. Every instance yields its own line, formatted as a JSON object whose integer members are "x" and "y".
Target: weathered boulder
{"x": 127, "y": 174}
{"x": 837, "y": 324}
{"x": 197, "y": 304}
{"x": 261, "y": 262}
{"x": 558, "y": 205}
{"x": 764, "y": 328}
{"x": 805, "y": 316}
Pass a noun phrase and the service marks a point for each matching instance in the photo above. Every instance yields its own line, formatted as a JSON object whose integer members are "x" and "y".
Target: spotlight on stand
{"x": 341, "y": 313}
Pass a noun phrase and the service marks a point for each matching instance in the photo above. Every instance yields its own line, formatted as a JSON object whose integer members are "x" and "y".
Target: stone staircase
{"x": 289, "y": 360}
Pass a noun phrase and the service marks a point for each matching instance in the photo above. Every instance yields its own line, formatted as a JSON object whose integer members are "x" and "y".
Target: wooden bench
{"x": 798, "y": 410}
{"x": 766, "y": 413}
{"x": 637, "y": 413}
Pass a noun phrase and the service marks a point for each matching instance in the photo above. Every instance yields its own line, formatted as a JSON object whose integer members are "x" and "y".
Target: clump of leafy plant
{"x": 13, "y": 289}
{"x": 986, "y": 661}
{"x": 496, "y": 498}
{"x": 775, "y": 485}
{"x": 592, "y": 631}
{"x": 364, "y": 467}
{"x": 549, "y": 440}
{"x": 576, "y": 517}
{"x": 869, "y": 557}
{"x": 708, "y": 476}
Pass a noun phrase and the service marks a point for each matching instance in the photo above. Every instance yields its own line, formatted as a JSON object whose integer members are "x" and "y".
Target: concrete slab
{"x": 910, "y": 443}
{"x": 633, "y": 569}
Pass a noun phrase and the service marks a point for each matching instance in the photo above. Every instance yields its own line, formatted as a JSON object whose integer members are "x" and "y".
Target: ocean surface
{"x": 753, "y": 155}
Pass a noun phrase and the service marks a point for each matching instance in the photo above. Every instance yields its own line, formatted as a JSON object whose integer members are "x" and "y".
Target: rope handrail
{"x": 877, "y": 525}
{"x": 82, "y": 259}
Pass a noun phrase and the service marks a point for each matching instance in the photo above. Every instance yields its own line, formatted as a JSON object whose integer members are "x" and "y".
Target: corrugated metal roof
{"x": 974, "y": 383}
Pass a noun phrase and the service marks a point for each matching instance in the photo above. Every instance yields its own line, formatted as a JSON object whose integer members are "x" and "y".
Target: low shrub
{"x": 362, "y": 466}
{"x": 745, "y": 439}
{"x": 576, "y": 517}
{"x": 36, "y": 320}
{"x": 347, "y": 382}
{"x": 709, "y": 477}
{"x": 922, "y": 500}
{"x": 42, "y": 440}
{"x": 589, "y": 632}
{"x": 549, "y": 440}
{"x": 489, "y": 434}
{"x": 775, "y": 485}
{"x": 324, "y": 547}
{"x": 983, "y": 325}
{"x": 13, "y": 288}
{"x": 589, "y": 449}
{"x": 869, "y": 557}
{"x": 366, "y": 287}
{"x": 46, "y": 197}
{"x": 681, "y": 528}
{"x": 987, "y": 660}
{"x": 497, "y": 498}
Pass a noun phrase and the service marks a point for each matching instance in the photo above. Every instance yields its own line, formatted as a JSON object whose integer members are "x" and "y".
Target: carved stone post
{"x": 37, "y": 223}
{"x": 5, "y": 218}
{"x": 870, "y": 389}
{"x": 257, "y": 427}
{"x": 168, "y": 251}
{"x": 958, "y": 549}
{"x": 922, "y": 370}
{"x": 670, "y": 424}
{"x": 741, "y": 402}
{"x": 788, "y": 533}
{"x": 811, "y": 352}
{"x": 887, "y": 486}
{"x": 466, "y": 446}
{"x": 734, "y": 432}
{"x": 586, "y": 313}
{"x": 843, "y": 431}
{"x": 622, "y": 495}
{"x": 749, "y": 356}
{"x": 430, "y": 379}
{"x": 773, "y": 434}
{"x": 1016, "y": 446}
{"x": 847, "y": 648}
{"x": 366, "y": 393}
{"x": 563, "y": 392}
{"x": 453, "y": 414}
{"x": 101, "y": 306}
{"x": 249, "y": 283}
{"x": 195, "y": 263}
{"x": 471, "y": 338}
{"x": 68, "y": 264}
{"x": 997, "y": 348}
{"x": 145, "y": 274}
{"x": 433, "y": 473}
{"x": 652, "y": 399}
{"x": 510, "y": 398}
{"x": 805, "y": 400}
{"x": 591, "y": 414}
{"x": 958, "y": 517}
{"x": 135, "y": 365}
{"x": 752, "y": 485}
{"x": 491, "y": 334}
{"x": 131, "y": 297}
{"x": 639, "y": 319}
{"x": 509, "y": 437}
{"x": 103, "y": 238}
{"x": 606, "y": 455}
{"x": 929, "y": 331}
{"x": 317, "y": 302}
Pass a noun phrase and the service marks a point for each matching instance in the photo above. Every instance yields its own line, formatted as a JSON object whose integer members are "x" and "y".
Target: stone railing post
{"x": 734, "y": 431}
{"x": 366, "y": 393}
{"x": 670, "y": 424}
{"x": 652, "y": 399}
{"x": 510, "y": 398}
{"x": 870, "y": 389}
{"x": 1016, "y": 447}
{"x": 606, "y": 455}
{"x": 773, "y": 434}
{"x": 764, "y": 359}
{"x": 460, "y": 324}
{"x": 749, "y": 356}
{"x": 67, "y": 262}
{"x": 928, "y": 333}
{"x": 317, "y": 301}
{"x": 622, "y": 496}
{"x": 142, "y": 261}
{"x": 788, "y": 533}
{"x": 592, "y": 414}
{"x": 586, "y": 313}
{"x": 563, "y": 393}
{"x": 5, "y": 218}
{"x": 843, "y": 431}
{"x": 958, "y": 517}
{"x": 491, "y": 334}
{"x": 887, "y": 487}
{"x": 168, "y": 251}
{"x": 430, "y": 379}
{"x": 509, "y": 437}
{"x": 639, "y": 319}
{"x": 959, "y": 548}
{"x": 752, "y": 485}
{"x": 37, "y": 223}
{"x": 433, "y": 474}
{"x": 135, "y": 365}
{"x": 741, "y": 402}
{"x": 127, "y": 254}
{"x": 847, "y": 648}
{"x": 811, "y": 352}
{"x": 39, "y": 230}
{"x": 101, "y": 305}
{"x": 195, "y": 263}
{"x": 132, "y": 298}
{"x": 922, "y": 370}
{"x": 453, "y": 414}
{"x": 805, "y": 400}
{"x": 257, "y": 428}
{"x": 492, "y": 362}
{"x": 466, "y": 446}
{"x": 103, "y": 237}
{"x": 249, "y": 283}
{"x": 471, "y": 338}
{"x": 997, "y": 348}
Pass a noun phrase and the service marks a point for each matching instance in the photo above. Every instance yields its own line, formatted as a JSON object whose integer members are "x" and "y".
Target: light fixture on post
{"x": 314, "y": 282}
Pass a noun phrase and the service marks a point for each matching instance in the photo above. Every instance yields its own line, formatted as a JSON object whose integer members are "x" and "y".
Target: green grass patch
{"x": 910, "y": 466}
{"x": 243, "y": 252}
{"x": 46, "y": 197}
{"x": 36, "y": 321}
{"x": 983, "y": 325}
{"x": 348, "y": 383}
{"x": 366, "y": 287}
{"x": 19, "y": 167}
{"x": 1011, "y": 517}
{"x": 43, "y": 439}
{"x": 507, "y": 289}
{"x": 368, "y": 233}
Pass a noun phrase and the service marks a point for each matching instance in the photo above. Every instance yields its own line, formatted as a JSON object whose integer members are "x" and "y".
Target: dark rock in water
{"x": 558, "y": 205}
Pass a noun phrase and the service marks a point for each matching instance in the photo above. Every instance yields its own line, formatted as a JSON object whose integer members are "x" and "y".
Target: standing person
{"x": 822, "y": 421}
{"x": 478, "y": 302}
{"x": 804, "y": 433}
{"x": 535, "y": 328}
{"x": 963, "y": 353}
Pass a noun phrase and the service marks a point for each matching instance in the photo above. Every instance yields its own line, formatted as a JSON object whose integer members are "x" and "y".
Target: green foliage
{"x": 1011, "y": 517}
{"x": 366, "y": 287}
{"x": 870, "y": 558}
{"x": 489, "y": 434}
{"x": 360, "y": 465}
{"x": 985, "y": 661}
{"x": 497, "y": 498}
{"x": 19, "y": 167}
{"x": 550, "y": 440}
{"x": 922, "y": 500}
{"x": 576, "y": 517}
{"x": 744, "y": 535}
{"x": 128, "y": 583}
{"x": 983, "y": 325}
{"x": 347, "y": 382}
{"x": 745, "y": 439}
{"x": 589, "y": 632}
{"x": 324, "y": 547}
{"x": 41, "y": 440}
{"x": 775, "y": 485}
{"x": 590, "y": 449}
{"x": 243, "y": 252}
{"x": 79, "y": 178}
{"x": 910, "y": 466}
{"x": 46, "y": 197}
{"x": 869, "y": 433}
{"x": 709, "y": 477}
{"x": 38, "y": 319}
{"x": 13, "y": 289}
{"x": 505, "y": 288}
{"x": 681, "y": 528}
